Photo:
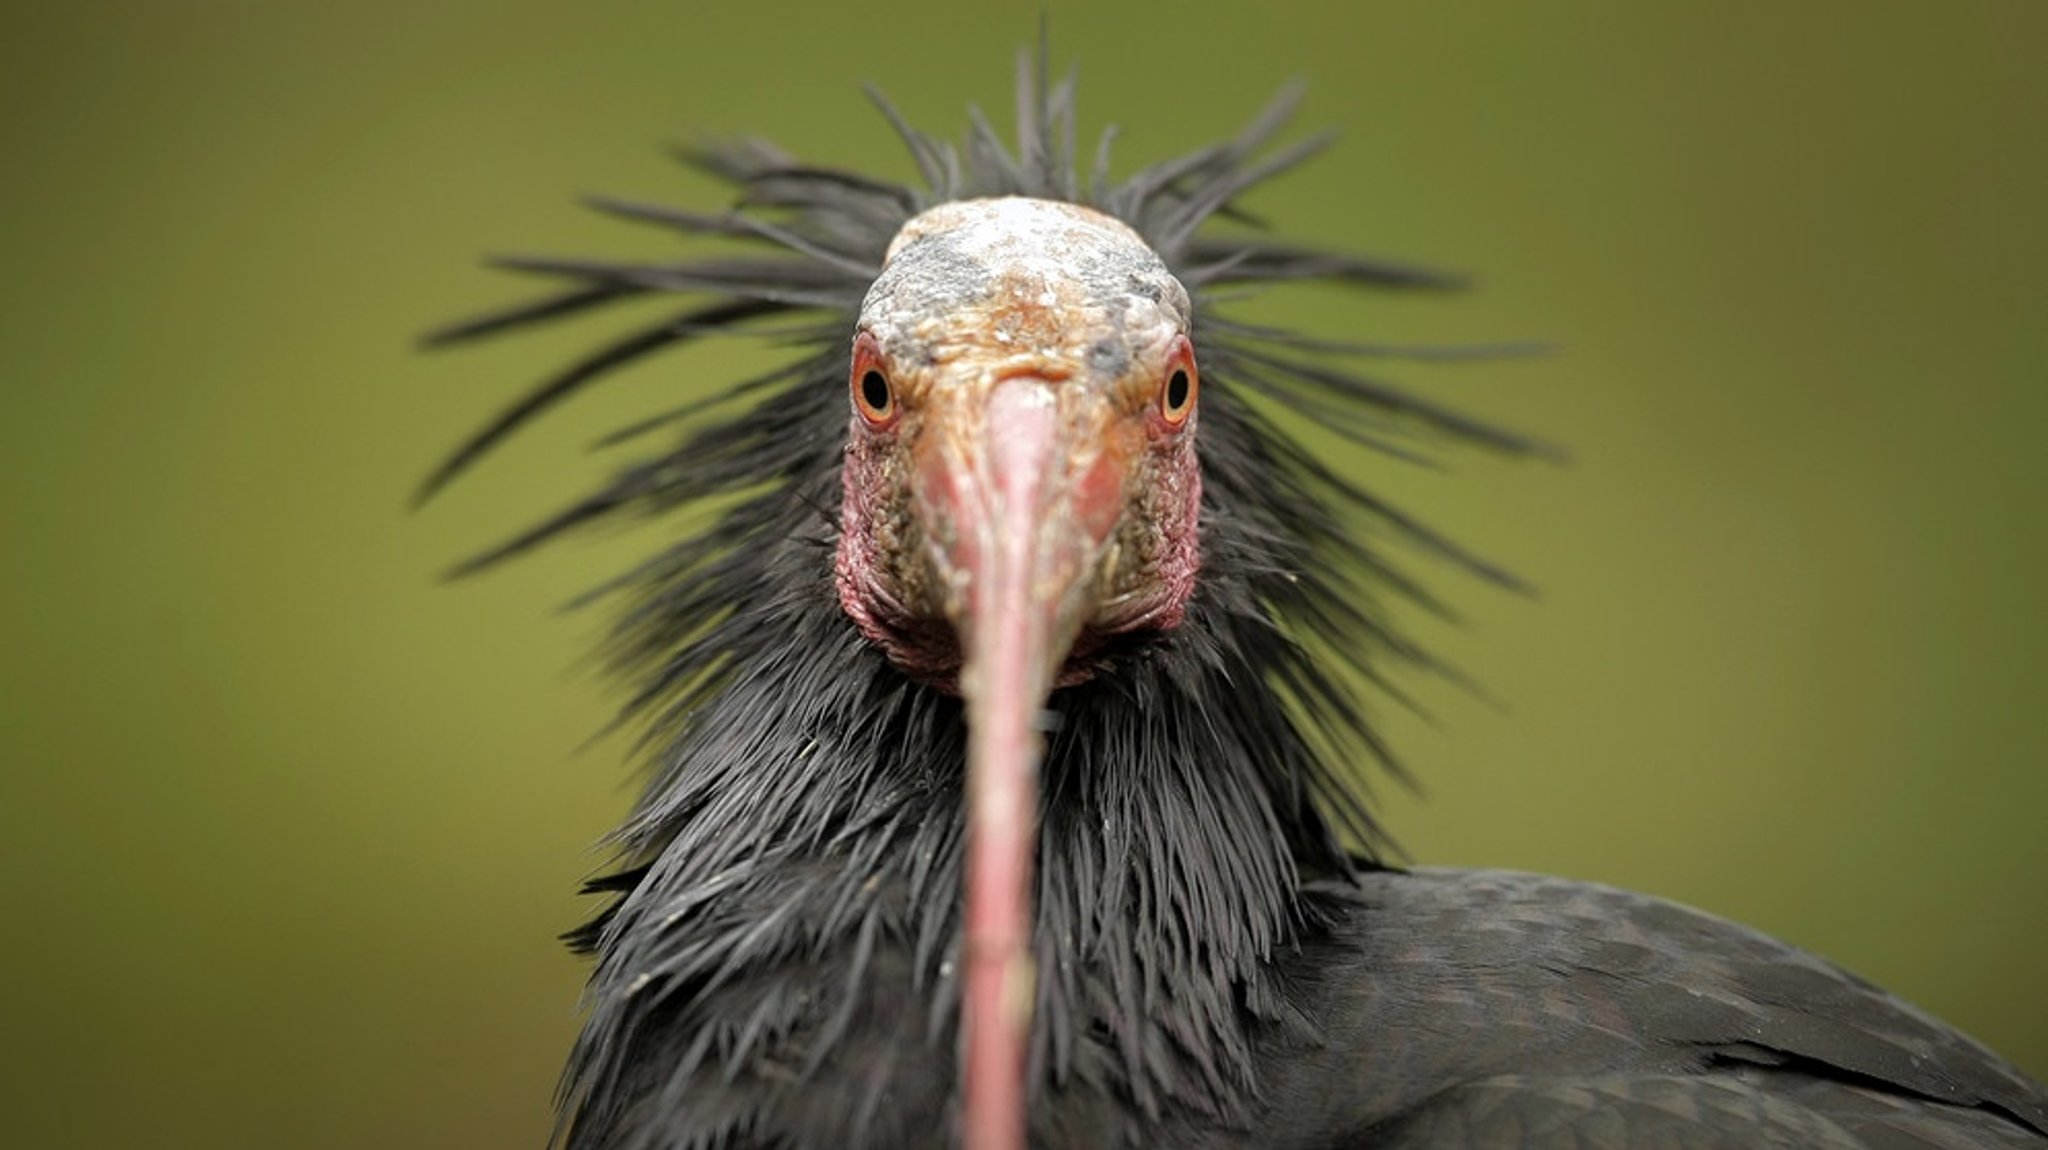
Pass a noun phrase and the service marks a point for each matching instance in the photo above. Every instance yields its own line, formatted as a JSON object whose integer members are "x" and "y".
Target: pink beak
{"x": 1020, "y": 493}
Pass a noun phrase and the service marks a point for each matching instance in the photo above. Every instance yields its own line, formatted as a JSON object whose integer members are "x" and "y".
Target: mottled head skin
{"x": 989, "y": 318}
{"x": 1020, "y": 488}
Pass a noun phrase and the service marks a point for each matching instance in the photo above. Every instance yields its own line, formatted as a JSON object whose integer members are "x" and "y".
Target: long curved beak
{"x": 1020, "y": 486}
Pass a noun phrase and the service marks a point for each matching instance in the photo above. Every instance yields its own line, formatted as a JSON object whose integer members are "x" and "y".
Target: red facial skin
{"x": 1055, "y": 548}
{"x": 1141, "y": 492}
{"x": 1025, "y": 492}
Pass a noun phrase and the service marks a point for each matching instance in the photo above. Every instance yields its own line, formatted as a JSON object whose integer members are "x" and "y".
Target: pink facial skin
{"x": 1020, "y": 488}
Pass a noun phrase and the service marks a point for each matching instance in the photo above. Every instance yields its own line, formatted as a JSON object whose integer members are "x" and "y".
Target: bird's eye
{"x": 874, "y": 397}
{"x": 874, "y": 393}
{"x": 1182, "y": 382}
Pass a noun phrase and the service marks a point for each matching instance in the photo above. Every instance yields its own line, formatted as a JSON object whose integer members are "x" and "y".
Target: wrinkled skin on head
{"x": 1020, "y": 487}
{"x": 1043, "y": 327}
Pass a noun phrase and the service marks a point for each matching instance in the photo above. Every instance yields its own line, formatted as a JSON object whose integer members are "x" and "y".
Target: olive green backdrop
{"x": 287, "y": 825}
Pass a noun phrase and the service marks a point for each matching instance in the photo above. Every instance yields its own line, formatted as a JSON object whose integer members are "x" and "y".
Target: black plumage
{"x": 1224, "y": 959}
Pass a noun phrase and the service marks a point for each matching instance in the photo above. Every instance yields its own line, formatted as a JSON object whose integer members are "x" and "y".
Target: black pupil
{"x": 874, "y": 391}
{"x": 1177, "y": 391}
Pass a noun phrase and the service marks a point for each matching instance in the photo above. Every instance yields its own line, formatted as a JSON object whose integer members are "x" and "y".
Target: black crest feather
{"x": 791, "y": 875}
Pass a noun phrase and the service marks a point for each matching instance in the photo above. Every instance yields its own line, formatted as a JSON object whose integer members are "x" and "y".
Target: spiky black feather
{"x": 781, "y": 953}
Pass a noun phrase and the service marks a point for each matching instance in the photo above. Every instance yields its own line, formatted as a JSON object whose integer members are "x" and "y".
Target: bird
{"x": 1006, "y": 714}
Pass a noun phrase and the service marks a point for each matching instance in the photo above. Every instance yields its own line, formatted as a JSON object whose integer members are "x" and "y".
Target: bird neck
{"x": 815, "y": 798}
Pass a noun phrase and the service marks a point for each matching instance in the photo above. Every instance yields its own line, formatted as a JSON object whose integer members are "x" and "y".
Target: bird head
{"x": 1020, "y": 488}
{"x": 1020, "y": 483}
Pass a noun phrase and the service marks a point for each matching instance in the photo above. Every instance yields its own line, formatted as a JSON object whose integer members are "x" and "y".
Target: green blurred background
{"x": 288, "y": 825}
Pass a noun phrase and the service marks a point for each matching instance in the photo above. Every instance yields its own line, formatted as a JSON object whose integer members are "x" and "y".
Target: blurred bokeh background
{"x": 286, "y": 825}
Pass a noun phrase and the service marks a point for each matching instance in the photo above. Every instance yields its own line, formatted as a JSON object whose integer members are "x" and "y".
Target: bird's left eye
{"x": 1181, "y": 383}
{"x": 874, "y": 397}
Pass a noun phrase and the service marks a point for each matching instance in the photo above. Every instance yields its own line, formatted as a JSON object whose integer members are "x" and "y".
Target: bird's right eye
{"x": 874, "y": 397}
